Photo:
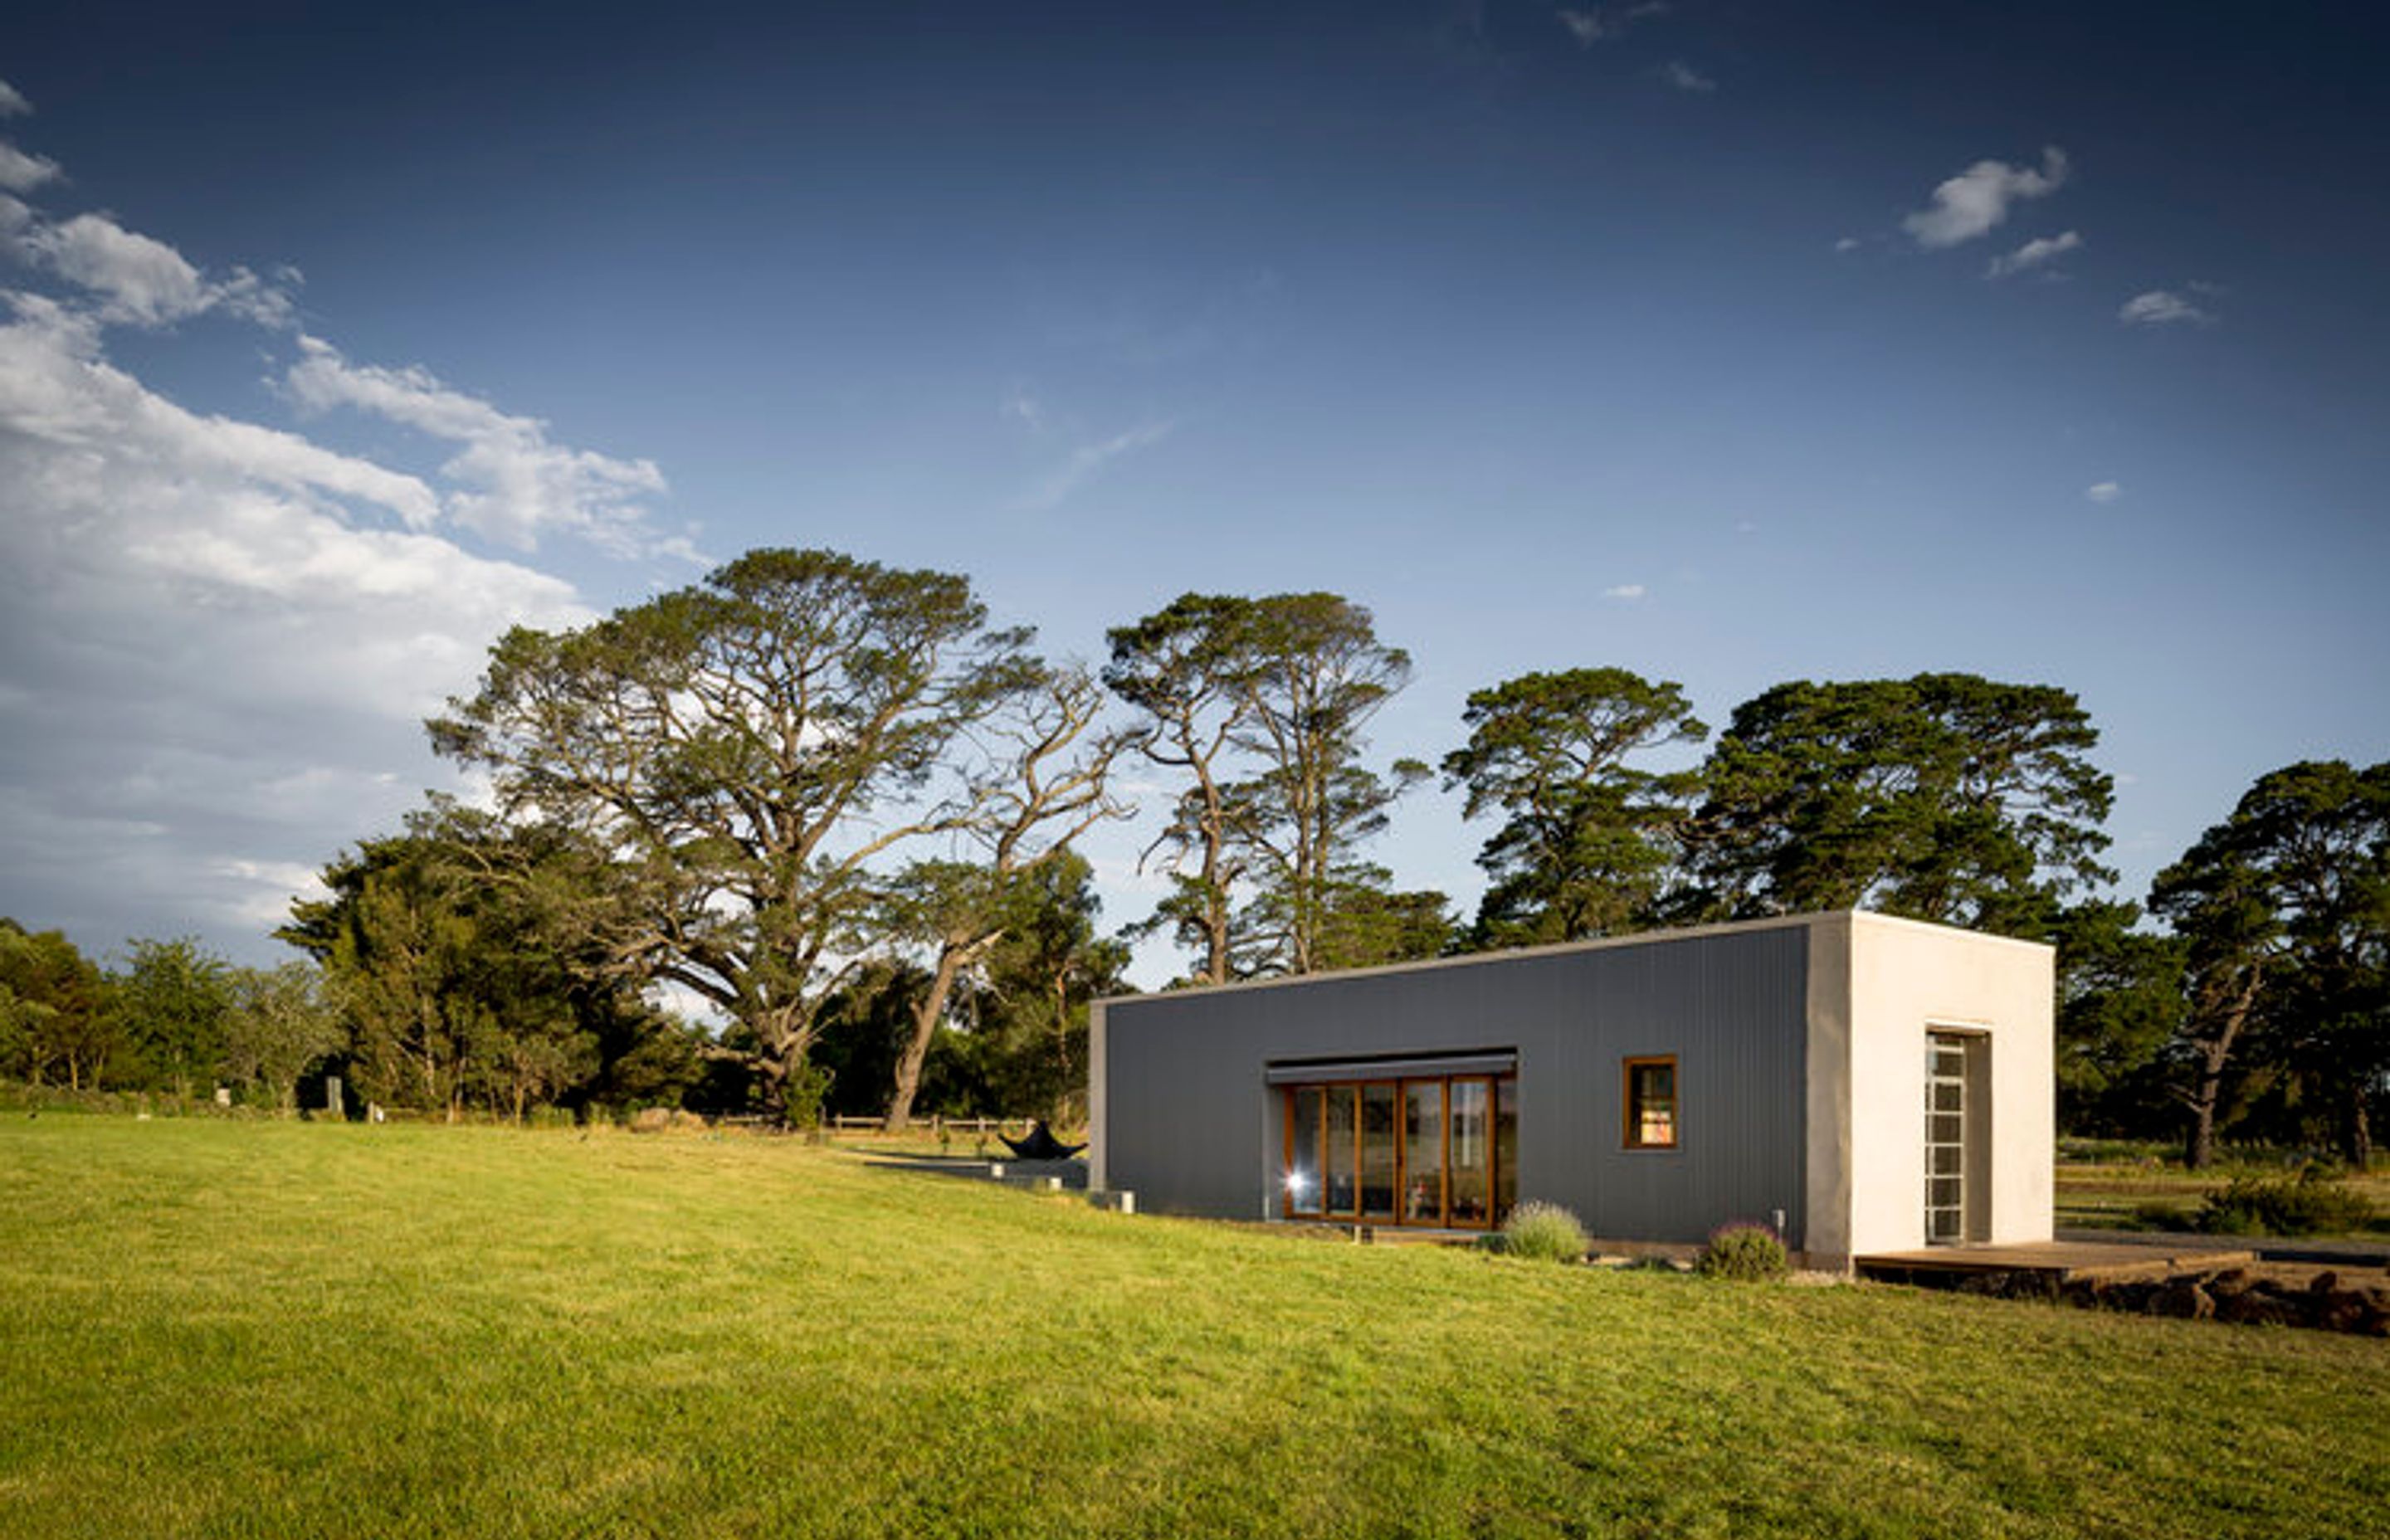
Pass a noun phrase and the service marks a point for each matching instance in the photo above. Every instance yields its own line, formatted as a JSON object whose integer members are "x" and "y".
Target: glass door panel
{"x": 1505, "y": 1147}
{"x": 1423, "y": 1153}
{"x": 1946, "y": 1140}
{"x": 1471, "y": 1173}
{"x": 1337, "y": 1159}
{"x": 1302, "y": 1150}
{"x": 1378, "y": 1152}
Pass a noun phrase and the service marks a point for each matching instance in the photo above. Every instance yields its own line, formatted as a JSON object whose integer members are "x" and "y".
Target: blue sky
{"x": 1731, "y": 343}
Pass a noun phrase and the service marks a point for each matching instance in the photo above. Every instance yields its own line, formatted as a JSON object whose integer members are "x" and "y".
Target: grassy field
{"x": 2151, "y": 1194}
{"x": 265, "y": 1329}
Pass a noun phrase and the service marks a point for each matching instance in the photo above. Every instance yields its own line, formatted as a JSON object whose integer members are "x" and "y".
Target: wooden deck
{"x": 2061, "y": 1261}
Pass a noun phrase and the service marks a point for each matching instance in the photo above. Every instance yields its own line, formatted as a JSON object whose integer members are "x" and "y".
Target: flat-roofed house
{"x": 1864, "y": 1084}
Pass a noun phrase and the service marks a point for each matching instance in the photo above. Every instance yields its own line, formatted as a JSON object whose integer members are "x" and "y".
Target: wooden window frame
{"x": 1319, "y": 1208}
{"x": 1630, "y": 1118}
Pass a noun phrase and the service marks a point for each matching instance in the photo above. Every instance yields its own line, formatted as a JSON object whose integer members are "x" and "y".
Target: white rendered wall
{"x": 1906, "y": 981}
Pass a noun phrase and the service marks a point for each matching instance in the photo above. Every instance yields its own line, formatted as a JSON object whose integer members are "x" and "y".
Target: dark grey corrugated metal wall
{"x": 1193, "y": 1130}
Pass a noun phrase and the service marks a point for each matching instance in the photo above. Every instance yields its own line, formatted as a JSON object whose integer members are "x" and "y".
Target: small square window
{"x": 1652, "y": 1103}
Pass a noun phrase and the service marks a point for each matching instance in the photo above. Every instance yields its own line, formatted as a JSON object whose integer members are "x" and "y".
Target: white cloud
{"x": 1021, "y": 405}
{"x": 2104, "y": 492}
{"x": 1087, "y": 460}
{"x": 1848, "y": 243}
{"x": 217, "y": 643}
{"x": 219, "y": 638}
{"x": 1976, "y": 199}
{"x": 1685, "y": 78}
{"x": 1597, "y": 23}
{"x": 22, "y": 173}
{"x": 2037, "y": 252}
{"x": 137, "y": 280}
{"x": 1624, "y": 591}
{"x": 12, "y": 102}
{"x": 517, "y": 485}
{"x": 2159, "y": 308}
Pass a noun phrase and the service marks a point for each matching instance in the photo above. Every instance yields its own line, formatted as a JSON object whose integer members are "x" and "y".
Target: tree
{"x": 1587, "y": 842}
{"x": 744, "y": 749}
{"x": 1944, "y": 797}
{"x": 1187, "y": 668}
{"x": 173, "y": 998}
{"x": 2120, "y": 1006}
{"x": 1262, "y": 703}
{"x": 1317, "y": 675}
{"x": 1045, "y": 788}
{"x": 1366, "y": 924}
{"x": 54, "y": 1009}
{"x": 280, "y": 1027}
{"x": 458, "y": 959}
{"x": 400, "y": 950}
{"x": 2285, "y": 910}
{"x": 1028, "y": 1012}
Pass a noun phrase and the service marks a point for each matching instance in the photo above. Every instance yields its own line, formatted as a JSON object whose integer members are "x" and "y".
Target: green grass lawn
{"x": 239, "y": 1329}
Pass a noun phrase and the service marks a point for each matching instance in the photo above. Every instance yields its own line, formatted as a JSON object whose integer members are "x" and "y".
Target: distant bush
{"x": 1543, "y": 1232}
{"x": 1750, "y": 1254}
{"x": 2318, "y": 1200}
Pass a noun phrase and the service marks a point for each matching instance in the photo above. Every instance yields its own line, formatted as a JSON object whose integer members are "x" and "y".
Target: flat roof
{"x": 1639, "y": 938}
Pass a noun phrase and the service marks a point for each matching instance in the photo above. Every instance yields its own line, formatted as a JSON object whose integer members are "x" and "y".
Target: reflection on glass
{"x": 1470, "y": 1153}
{"x": 1303, "y": 1169}
{"x": 1377, "y": 1151}
{"x": 1506, "y": 1146}
{"x": 1423, "y": 1151}
{"x": 1653, "y": 1116}
{"x": 1336, "y": 1161}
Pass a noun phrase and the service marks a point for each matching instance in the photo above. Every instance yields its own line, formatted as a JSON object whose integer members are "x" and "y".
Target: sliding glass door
{"x": 1431, "y": 1151}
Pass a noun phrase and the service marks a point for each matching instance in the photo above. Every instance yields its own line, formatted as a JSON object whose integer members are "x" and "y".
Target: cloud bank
{"x": 218, "y": 637}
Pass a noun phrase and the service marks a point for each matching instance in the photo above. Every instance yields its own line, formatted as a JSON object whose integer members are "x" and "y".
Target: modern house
{"x": 1864, "y": 1084}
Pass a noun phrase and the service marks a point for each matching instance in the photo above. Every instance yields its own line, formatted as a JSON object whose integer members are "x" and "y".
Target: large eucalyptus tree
{"x": 748, "y": 750}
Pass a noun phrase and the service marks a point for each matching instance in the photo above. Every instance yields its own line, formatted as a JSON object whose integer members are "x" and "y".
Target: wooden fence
{"x": 845, "y": 1122}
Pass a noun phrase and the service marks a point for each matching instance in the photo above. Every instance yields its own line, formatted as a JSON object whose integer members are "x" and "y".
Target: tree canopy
{"x": 1587, "y": 842}
{"x": 1944, "y": 797}
{"x": 2284, "y": 912}
{"x": 1263, "y": 705}
{"x": 743, "y": 749}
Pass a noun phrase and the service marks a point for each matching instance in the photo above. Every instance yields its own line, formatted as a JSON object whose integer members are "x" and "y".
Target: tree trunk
{"x": 2357, "y": 1133}
{"x": 926, "y": 1016}
{"x": 1216, "y": 895}
{"x": 2199, "y": 1149}
{"x": 2214, "y": 1055}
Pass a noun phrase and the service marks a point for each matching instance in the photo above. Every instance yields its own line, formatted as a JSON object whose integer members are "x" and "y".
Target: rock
{"x": 2232, "y": 1280}
{"x": 2341, "y": 1309}
{"x": 2254, "y": 1308}
{"x": 2323, "y": 1282}
{"x": 2184, "y": 1301}
{"x": 650, "y": 1119}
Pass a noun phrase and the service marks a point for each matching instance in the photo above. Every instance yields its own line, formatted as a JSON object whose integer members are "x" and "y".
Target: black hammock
{"x": 1041, "y": 1145}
